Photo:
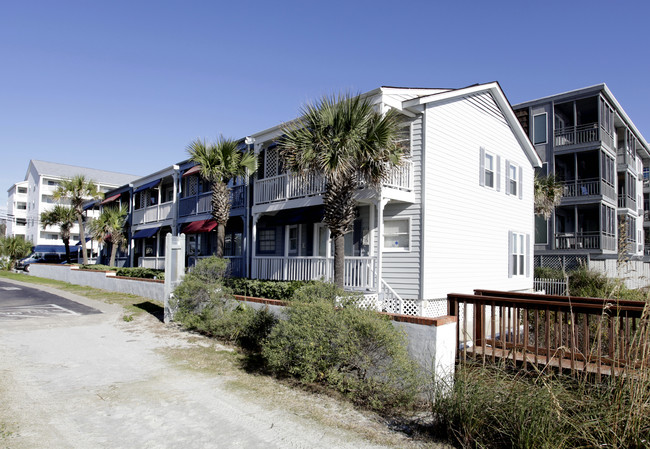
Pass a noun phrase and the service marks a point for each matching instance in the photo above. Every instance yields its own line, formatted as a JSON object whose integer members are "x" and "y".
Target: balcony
{"x": 359, "y": 272}
{"x": 290, "y": 186}
{"x": 152, "y": 214}
{"x": 626, "y": 202}
{"x": 587, "y": 187}
{"x": 577, "y": 135}
{"x": 585, "y": 240}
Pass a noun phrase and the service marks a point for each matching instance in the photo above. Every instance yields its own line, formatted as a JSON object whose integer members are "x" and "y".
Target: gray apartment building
{"x": 585, "y": 138}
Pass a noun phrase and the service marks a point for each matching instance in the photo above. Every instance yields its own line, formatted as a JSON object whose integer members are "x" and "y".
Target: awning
{"x": 197, "y": 227}
{"x": 191, "y": 171}
{"x": 79, "y": 242}
{"x": 110, "y": 199}
{"x": 147, "y": 186}
{"x": 313, "y": 214}
{"x": 145, "y": 233}
{"x": 90, "y": 205}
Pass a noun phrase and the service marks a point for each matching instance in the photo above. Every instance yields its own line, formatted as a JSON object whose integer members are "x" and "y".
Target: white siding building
{"x": 457, "y": 216}
{"x": 41, "y": 180}
{"x": 17, "y": 209}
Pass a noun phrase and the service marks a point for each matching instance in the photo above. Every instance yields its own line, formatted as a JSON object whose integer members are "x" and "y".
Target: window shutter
{"x": 507, "y": 177}
{"x": 509, "y": 253}
{"x": 481, "y": 165}
{"x": 498, "y": 173}
{"x": 527, "y": 255}
{"x": 520, "y": 187}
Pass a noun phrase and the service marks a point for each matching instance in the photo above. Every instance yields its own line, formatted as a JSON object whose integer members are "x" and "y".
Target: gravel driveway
{"x": 96, "y": 381}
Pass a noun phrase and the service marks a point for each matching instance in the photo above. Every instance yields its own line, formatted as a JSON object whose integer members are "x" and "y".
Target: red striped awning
{"x": 191, "y": 171}
{"x": 110, "y": 199}
{"x": 197, "y": 227}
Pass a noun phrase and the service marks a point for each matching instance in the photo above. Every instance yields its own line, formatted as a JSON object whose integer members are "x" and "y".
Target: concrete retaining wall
{"x": 431, "y": 341}
{"x": 147, "y": 288}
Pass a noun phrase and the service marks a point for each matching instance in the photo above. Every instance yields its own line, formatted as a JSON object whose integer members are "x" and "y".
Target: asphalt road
{"x": 20, "y": 302}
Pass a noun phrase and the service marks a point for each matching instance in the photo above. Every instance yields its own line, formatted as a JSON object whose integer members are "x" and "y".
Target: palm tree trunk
{"x": 113, "y": 254}
{"x": 82, "y": 237}
{"x": 66, "y": 243}
{"x": 339, "y": 260}
{"x": 221, "y": 238}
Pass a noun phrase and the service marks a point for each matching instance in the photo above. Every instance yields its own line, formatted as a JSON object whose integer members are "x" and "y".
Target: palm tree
{"x": 221, "y": 162}
{"x": 78, "y": 190}
{"x": 109, "y": 228}
{"x": 15, "y": 248}
{"x": 344, "y": 140}
{"x": 63, "y": 217}
{"x": 548, "y": 194}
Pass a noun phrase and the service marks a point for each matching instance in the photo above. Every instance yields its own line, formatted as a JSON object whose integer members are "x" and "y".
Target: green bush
{"x": 97, "y": 267}
{"x": 353, "y": 350}
{"x": 548, "y": 273}
{"x": 281, "y": 290}
{"x": 140, "y": 272}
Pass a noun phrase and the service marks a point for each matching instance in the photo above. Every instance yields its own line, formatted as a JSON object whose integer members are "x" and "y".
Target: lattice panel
{"x": 271, "y": 166}
{"x": 192, "y": 185}
{"x": 567, "y": 263}
{"x": 434, "y": 308}
{"x": 369, "y": 301}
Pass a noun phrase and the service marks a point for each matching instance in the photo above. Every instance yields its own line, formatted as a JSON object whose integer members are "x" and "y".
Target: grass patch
{"x": 133, "y": 304}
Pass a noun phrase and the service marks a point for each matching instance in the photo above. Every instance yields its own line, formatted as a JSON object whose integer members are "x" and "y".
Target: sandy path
{"x": 96, "y": 381}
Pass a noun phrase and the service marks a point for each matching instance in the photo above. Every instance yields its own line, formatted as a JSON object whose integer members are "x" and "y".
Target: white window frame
{"x": 492, "y": 158}
{"x": 518, "y": 254}
{"x": 545, "y": 128}
{"x": 512, "y": 187}
{"x": 408, "y": 234}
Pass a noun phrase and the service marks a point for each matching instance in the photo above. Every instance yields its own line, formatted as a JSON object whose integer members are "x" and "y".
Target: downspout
{"x": 246, "y": 252}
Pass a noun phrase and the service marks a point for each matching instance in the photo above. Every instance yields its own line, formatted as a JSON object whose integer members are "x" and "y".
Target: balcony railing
{"x": 583, "y": 187}
{"x": 152, "y": 214}
{"x": 585, "y": 240}
{"x": 626, "y": 202}
{"x": 577, "y": 135}
{"x": 359, "y": 272}
{"x": 289, "y": 186}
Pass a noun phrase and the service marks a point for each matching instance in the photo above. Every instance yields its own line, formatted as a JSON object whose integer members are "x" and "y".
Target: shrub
{"x": 140, "y": 272}
{"x": 281, "y": 290}
{"x": 97, "y": 267}
{"x": 356, "y": 351}
{"x": 548, "y": 273}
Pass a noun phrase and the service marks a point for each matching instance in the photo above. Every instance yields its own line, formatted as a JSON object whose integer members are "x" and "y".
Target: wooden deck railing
{"x": 599, "y": 336}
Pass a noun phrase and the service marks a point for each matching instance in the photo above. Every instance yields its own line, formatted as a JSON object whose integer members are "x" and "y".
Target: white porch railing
{"x": 152, "y": 214}
{"x": 288, "y": 186}
{"x": 359, "y": 272}
{"x": 156, "y": 263}
{"x": 550, "y": 286}
{"x": 400, "y": 177}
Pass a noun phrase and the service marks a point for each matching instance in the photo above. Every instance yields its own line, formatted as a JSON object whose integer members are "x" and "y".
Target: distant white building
{"x": 29, "y": 198}
{"x": 17, "y": 209}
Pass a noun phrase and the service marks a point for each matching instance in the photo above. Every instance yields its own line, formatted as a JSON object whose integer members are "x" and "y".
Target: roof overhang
{"x": 504, "y": 105}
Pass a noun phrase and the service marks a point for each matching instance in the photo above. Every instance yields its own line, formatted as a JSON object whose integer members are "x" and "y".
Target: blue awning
{"x": 145, "y": 233}
{"x": 147, "y": 186}
{"x": 90, "y": 205}
{"x": 79, "y": 242}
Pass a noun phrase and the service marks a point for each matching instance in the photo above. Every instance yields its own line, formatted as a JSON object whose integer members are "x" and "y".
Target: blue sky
{"x": 126, "y": 85}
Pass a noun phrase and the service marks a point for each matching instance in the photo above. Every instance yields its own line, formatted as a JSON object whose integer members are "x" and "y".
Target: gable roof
{"x": 502, "y": 102}
{"x": 44, "y": 168}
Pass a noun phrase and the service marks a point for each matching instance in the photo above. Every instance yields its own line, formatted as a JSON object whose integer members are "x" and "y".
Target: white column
{"x": 254, "y": 246}
{"x": 380, "y": 239}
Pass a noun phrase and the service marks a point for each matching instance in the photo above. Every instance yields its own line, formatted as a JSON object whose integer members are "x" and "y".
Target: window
{"x": 397, "y": 234}
{"x": 539, "y": 129}
{"x": 489, "y": 170}
{"x": 513, "y": 179}
{"x": 21, "y": 221}
{"x": 22, "y": 189}
{"x": 541, "y": 230}
{"x": 517, "y": 251}
{"x": 21, "y": 206}
{"x": 646, "y": 173}
{"x": 267, "y": 240}
{"x": 403, "y": 139}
